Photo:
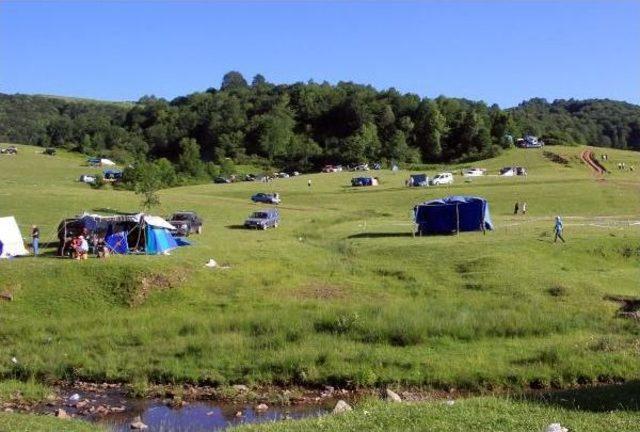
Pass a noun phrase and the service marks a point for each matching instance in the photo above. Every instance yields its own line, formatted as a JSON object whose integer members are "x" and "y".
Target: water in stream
{"x": 202, "y": 416}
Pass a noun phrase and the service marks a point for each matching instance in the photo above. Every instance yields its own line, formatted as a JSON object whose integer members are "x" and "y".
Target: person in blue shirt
{"x": 558, "y": 230}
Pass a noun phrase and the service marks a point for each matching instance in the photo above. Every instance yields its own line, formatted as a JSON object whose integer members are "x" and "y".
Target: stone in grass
{"x": 137, "y": 424}
{"x": 392, "y": 396}
{"x": 341, "y": 407}
{"x": 62, "y": 414}
{"x": 556, "y": 427}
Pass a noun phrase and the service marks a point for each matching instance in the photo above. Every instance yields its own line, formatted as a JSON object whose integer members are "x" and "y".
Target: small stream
{"x": 203, "y": 416}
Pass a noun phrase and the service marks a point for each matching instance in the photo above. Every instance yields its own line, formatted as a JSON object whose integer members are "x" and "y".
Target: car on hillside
{"x": 87, "y": 178}
{"x": 263, "y": 219}
{"x": 331, "y": 168}
{"x": 473, "y": 172}
{"x": 221, "y": 180}
{"x": 266, "y": 198}
{"x": 10, "y": 150}
{"x": 249, "y": 177}
{"x": 444, "y": 178}
{"x": 50, "y": 151}
{"x": 186, "y": 222}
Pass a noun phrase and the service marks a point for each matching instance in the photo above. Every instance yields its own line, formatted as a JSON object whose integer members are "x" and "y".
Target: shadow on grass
{"x": 380, "y": 235}
{"x": 601, "y": 398}
{"x": 236, "y": 227}
{"x": 112, "y": 211}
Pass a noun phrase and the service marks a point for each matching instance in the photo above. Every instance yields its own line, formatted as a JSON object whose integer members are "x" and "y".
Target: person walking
{"x": 35, "y": 239}
{"x": 516, "y": 208}
{"x": 309, "y": 183}
{"x": 558, "y": 230}
{"x": 524, "y": 208}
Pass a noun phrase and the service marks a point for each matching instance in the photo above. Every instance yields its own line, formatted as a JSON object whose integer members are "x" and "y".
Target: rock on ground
{"x": 341, "y": 407}
{"x": 138, "y": 425}
{"x": 556, "y": 427}
{"x": 393, "y": 396}
{"x": 60, "y": 413}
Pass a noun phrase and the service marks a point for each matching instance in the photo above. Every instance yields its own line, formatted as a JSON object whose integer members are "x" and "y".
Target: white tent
{"x": 107, "y": 162}
{"x": 11, "y": 243}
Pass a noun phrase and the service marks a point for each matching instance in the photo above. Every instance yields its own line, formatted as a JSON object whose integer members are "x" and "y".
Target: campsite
{"x": 374, "y": 306}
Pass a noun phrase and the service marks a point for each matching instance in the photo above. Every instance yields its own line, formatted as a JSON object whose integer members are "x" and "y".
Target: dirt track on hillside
{"x": 592, "y": 162}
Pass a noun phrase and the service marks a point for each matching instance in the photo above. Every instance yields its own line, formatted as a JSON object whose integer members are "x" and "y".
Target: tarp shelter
{"x": 418, "y": 180}
{"x": 123, "y": 234}
{"x": 364, "y": 181}
{"x": 453, "y": 214}
{"x": 107, "y": 162}
{"x": 11, "y": 243}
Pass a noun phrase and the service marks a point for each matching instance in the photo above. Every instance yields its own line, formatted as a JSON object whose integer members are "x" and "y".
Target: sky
{"x": 497, "y": 51}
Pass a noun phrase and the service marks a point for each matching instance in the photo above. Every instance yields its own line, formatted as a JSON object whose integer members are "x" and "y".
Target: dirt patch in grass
{"x": 320, "y": 291}
{"x": 629, "y": 306}
{"x": 147, "y": 283}
{"x": 556, "y": 158}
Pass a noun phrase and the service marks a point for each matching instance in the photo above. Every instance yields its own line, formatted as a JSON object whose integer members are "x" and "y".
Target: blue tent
{"x": 364, "y": 181}
{"x": 419, "y": 180}
{"x": 159, "y": 240}
{"x": 451, "y": 214}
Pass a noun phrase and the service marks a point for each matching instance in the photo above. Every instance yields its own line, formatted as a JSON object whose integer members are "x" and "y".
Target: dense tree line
{"x": 304, "y": 125}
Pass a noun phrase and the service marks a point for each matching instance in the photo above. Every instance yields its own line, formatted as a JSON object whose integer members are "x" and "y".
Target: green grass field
{"x": 340, "y": 293}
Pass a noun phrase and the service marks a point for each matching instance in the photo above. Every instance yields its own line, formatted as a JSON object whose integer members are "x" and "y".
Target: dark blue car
{"x": 266, "y": 198}
{"x": 263, "y": 219}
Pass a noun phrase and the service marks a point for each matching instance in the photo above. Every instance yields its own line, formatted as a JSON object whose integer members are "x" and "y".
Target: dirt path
{"x": 591, "y": 161}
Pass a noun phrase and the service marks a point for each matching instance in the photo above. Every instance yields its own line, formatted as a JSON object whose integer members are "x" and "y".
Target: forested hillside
{"x": 307, "y": 124}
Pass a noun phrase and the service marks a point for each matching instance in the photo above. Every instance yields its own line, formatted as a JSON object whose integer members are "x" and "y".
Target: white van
{"x": 442, "y": 179}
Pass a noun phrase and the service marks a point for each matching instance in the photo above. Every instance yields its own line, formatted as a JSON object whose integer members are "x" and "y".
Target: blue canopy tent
{"x": 453, "y": 214}
{"x": 418, "y": 180}
{"x": 364, "y": 181}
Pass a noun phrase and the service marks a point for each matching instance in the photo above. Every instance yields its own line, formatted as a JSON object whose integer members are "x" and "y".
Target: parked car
{"x": 377, "y": 166}
{"x": 10, "y": 150}
{"x": 249, "y": 177}
{"x": 221, "y": 180}
{"x": 331, "y": 168}
{"x": 186, "y": 222}
{"x": 49, "y": 151}
{"x": 87, "y": 178}
{"x": 442, "y": 179}
{"x": 112, "y": 175}
{"x": 263, "y": 219}
{"x": 266, "y": 198}
{"x": 282, "y": 175}
{"x": 473, "y": 172}
{"x": 507, "y": 172}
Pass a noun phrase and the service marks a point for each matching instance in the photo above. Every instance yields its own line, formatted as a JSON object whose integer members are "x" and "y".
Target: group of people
{"x": 623, "y": 167}
{"x": 520, "y": 208}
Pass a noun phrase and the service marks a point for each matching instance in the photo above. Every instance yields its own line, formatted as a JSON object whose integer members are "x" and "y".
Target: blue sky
{"x": 497, "y": 51}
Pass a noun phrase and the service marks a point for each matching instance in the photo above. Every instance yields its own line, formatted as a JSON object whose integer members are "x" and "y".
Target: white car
{"x": 473, "y": 172}
{"x": 507, "y": 172}
{"x": 442, "y": 179}
{"x": 87, "y": 178}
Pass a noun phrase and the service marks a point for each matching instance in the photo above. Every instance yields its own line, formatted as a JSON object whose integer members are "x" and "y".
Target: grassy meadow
{"x": 341, "y": 293}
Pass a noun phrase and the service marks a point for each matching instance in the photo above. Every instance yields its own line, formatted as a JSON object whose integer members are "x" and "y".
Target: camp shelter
{"x": 364, "y": 181}
{"x": 11, "y": 243}
{"x": 123, "y": 234}
{"x": 418, "y": 180}
{"x": 453, "y": 214}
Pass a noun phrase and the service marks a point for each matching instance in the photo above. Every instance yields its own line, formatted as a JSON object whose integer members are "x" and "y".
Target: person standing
{"x": 309, "y": 183}
{"x": 524, "y": 208}
{"x": 516, "y": 208}
{"x": 558, "y": 230}
{"x": 35, "y": 239}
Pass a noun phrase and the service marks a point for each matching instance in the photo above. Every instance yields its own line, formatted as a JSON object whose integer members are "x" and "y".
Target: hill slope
{"x": 341, "y": 292}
